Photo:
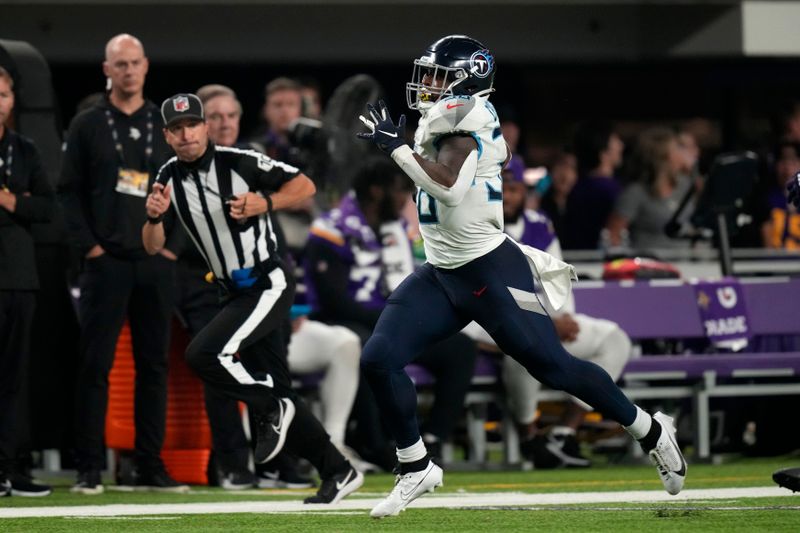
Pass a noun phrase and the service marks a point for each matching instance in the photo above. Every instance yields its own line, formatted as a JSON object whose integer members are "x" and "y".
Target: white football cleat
{"x": 667, "y": 456}
{"x": 407, "y": 488}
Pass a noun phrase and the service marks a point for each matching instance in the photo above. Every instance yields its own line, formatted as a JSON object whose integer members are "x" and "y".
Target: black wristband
{"x": 155, "y": 220}
{"x": 269, "y": 203}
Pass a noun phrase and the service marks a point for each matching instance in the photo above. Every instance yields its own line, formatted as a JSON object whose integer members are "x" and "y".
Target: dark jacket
{"x": 96, "y": 212}
{"x": 35, "y": 202}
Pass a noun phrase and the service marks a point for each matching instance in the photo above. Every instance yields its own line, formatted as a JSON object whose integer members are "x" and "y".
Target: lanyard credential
{"x": 148, "y": 150}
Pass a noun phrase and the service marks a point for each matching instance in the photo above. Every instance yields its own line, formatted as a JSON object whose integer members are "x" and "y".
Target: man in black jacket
{"x": 25, "y": 196}
{"x": 113, "y": 152}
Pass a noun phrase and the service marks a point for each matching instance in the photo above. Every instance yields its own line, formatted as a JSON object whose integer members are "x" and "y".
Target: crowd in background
{"x": 607, "y": 190}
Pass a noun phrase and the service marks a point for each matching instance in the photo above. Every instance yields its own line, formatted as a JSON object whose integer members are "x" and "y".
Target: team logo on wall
{"x": 181, "y": 104}
{"x": 727, "y": 297}
{"x": 481, "y": 63}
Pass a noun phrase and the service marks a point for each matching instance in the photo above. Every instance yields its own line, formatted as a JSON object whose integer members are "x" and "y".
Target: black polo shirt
{"x": 97, "y": 209}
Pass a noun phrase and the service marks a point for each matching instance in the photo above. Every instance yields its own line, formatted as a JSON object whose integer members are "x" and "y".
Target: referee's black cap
{"x": 182, "y": 106}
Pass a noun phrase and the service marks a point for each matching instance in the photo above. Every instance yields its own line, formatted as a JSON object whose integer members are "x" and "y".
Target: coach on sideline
{"x": 223, "y": 197}
{"x": 112, "y": 153}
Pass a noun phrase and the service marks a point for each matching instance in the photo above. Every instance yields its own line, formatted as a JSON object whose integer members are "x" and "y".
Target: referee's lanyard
{"x": 131, "y": 181}
{"x": 7, "y": 164}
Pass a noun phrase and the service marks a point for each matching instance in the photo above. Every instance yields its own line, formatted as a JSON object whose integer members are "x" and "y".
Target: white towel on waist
{"x": 554, "y": 276}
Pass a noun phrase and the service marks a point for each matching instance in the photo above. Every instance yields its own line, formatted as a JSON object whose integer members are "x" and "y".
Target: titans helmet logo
{"x": 481, "y": 63}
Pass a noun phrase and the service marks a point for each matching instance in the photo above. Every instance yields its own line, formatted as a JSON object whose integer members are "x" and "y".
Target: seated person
{"x": 649, "y": 201}
{"x": 592, "y": 339}
{"x": 356, "y": 255}
{"x": 782, "y": 229}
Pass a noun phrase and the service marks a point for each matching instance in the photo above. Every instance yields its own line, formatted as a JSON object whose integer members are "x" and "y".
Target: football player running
{"x": 474, "y": 271}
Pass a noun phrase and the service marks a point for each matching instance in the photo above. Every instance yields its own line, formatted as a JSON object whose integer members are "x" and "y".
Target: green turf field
{"x": 713, "y": 513}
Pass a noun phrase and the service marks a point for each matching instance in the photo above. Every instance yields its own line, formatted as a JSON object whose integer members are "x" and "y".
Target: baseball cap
{"x": 181, "y": 106}
{"x": 515, "y": 170}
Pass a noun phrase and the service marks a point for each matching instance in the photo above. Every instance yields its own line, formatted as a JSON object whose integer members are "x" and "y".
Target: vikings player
{"x": 474, "y": 272}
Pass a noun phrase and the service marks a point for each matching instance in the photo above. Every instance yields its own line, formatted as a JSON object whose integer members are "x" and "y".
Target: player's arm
{"x": 447, "y": 179}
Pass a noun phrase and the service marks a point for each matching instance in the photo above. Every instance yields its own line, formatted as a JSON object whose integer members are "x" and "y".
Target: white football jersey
{"x": 456, "y": 235}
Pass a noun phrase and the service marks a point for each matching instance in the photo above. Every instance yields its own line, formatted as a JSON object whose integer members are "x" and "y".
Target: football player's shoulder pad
{"x": 459, "y": 113}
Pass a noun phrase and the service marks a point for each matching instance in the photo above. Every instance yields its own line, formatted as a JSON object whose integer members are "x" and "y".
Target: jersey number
{"x": 426, "y": 208}
{"x": 495, "y": 195}
{"x": 370, "y": 277}
{"x": 426, "y": 204}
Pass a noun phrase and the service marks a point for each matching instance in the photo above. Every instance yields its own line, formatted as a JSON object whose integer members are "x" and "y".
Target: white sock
{"x": 641, "y": 425}
{"x": 415, "y": 452}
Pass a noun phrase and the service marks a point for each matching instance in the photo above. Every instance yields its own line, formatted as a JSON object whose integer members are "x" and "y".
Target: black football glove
{"x": 794, "y": 190}
{"x": 383, "y": 132}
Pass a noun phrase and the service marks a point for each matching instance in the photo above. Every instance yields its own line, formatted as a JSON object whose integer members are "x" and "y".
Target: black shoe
{"x": 337, "y": 487}
{"x": 157, "y": 480}
{"x": 5, "y": 487}
{"x": 89, "y": 483}
{"x": 238, "y": 480}
{"x": 788, "y": 478}
{"x": 271, "y": 429}
{"x": 557, "y": 449}
{"x": 22, "y": 485}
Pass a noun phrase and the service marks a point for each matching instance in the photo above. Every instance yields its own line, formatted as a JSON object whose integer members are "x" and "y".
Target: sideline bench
{"x": 667, "y": 309}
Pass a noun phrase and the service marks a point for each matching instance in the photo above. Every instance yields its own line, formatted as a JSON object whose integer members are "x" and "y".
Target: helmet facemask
{"x": 430, "y": 82}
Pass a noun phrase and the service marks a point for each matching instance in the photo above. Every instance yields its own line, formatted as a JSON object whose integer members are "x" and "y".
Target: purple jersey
{"x": 534, "y": 229}
{"x": 785, "y": 229}
{"x": 345, "y": 230}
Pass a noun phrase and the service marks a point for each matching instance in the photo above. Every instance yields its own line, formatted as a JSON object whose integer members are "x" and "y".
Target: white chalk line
{"x": 495, "y": 500}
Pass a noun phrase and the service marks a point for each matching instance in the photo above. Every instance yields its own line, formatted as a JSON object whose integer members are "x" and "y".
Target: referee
{"x": 222, "y": 196}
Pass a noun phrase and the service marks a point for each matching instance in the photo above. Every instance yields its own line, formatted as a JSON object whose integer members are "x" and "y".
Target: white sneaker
{"x": 407, "y": 488}
{"x": 667, "y": 456}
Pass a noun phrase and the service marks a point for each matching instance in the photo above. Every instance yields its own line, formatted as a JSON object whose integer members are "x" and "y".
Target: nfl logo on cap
{"x": 181, "y": 104}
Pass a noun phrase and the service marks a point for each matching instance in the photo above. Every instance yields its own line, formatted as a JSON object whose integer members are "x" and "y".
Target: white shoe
{"x": 407, "y": 488}
{"x": 667, "y": 456}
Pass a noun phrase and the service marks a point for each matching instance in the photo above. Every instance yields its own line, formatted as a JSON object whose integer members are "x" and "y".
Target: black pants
{"x": 241, "y": 354}
{"x": 198, "y": 303}
{"x": 112, "y": 288}
{"x": 16, "y": 317}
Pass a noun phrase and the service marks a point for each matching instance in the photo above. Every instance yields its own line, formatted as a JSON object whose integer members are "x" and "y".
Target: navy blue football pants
{"x": 433, "y": 303}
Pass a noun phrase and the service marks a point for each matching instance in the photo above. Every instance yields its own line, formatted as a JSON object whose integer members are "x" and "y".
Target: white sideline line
{"x": 495, "y": 499}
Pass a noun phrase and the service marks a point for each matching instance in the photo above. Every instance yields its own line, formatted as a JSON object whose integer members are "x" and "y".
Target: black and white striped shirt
{"x": 199, "y": 193}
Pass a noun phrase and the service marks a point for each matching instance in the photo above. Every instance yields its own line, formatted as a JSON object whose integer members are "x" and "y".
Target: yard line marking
{"x": 449, "y": 500}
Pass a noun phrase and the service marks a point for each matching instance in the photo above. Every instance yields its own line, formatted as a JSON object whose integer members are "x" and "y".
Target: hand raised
{"x": 387, "y": 135}
{"x": 158, "y": 200}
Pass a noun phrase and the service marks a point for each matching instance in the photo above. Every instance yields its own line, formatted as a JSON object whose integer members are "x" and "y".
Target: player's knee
{"x": 349, "y": 347}
{"x": 377, "y": 354}
{"x": 619, "y": 341}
